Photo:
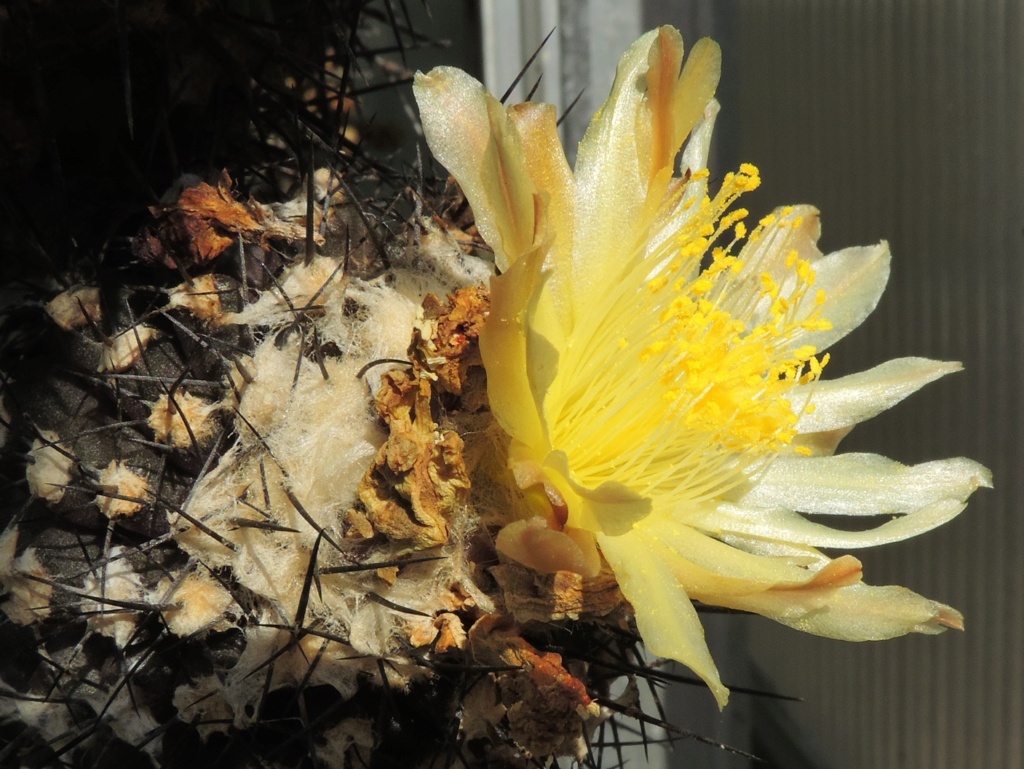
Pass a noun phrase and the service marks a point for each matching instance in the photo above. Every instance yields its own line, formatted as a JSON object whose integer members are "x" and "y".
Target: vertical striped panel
{"x": 903, "y": 121}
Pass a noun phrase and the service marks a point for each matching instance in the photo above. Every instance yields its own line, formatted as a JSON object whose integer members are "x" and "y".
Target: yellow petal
{"x": 546, "y": 165}
{"x": 665, "y": 617}
{"x": 503, "y": 347}
{"x": 624, "y": 163}
{"x": 610, "y": 508}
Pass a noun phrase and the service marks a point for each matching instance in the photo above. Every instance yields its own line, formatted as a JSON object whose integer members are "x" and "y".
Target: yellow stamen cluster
{"x": 716, "y": 351}
{"x": 721, "y": 376}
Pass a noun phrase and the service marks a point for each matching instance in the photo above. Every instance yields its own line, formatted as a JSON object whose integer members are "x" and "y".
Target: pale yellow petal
{"x": 862, "y": 484}
{"x": 852, "y": 281}
{"x": 788, "y": 526}
{"x": 853, "y": 613}
{"x": 469, "y": 133}
{"x": 611, "y": 176}
{"x": 706, "y": 567}
{"x": 545, "y": 163}
{"x": 665, "y": 617}
{"x": 831, "y": 404}
{"x": 788, "y": 231}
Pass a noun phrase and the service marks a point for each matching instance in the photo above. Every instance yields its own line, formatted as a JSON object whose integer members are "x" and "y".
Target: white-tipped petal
{"x": 855, "y": 398}
{"x": 791, "y": 527}
{"x": 862, "y": 484}
{"x": 470, "y": 133}
{"x": 698, "y": 146}
{"x": 853, "y": 281}
{"x": 854, "y": 613}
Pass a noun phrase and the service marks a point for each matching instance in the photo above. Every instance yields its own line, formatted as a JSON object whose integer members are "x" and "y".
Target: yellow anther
{"x": 805, "y": 272}
{"x": 731, "y": 219}
{"x": 658, "y": 283}
{"x": 653, "y": 349}
{"x": 816, "y": 324}
{"x": 702, "y": 285}
{"x": 805, "y": 352}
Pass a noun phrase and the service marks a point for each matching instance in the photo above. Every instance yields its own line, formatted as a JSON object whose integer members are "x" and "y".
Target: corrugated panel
{"x": 904, "y": 121}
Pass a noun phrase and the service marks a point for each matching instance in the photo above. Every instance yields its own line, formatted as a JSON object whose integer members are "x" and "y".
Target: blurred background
{"x": 900, "y": 121}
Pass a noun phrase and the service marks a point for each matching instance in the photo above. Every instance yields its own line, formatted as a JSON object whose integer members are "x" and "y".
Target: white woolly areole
{"x": 28, "y": 599}
{"x": 118, "y": 581}
{"x": 307, "y": 432}
{"x": 49, "y": 471}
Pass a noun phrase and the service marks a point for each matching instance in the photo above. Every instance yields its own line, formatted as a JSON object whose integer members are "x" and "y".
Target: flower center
{"x": 681, "y": 381}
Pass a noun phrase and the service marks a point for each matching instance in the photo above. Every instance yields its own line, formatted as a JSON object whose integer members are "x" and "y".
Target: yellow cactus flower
{"x": 656, "y": 362}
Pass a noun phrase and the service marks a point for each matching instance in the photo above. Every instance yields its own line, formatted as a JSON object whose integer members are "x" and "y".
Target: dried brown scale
{"x": 452, "y": 348}
{"x": 418, "y": 478}
{"x": 205, "y": 221}
{"x": 547, "y": 708}
{"x": 530, "y": 596}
